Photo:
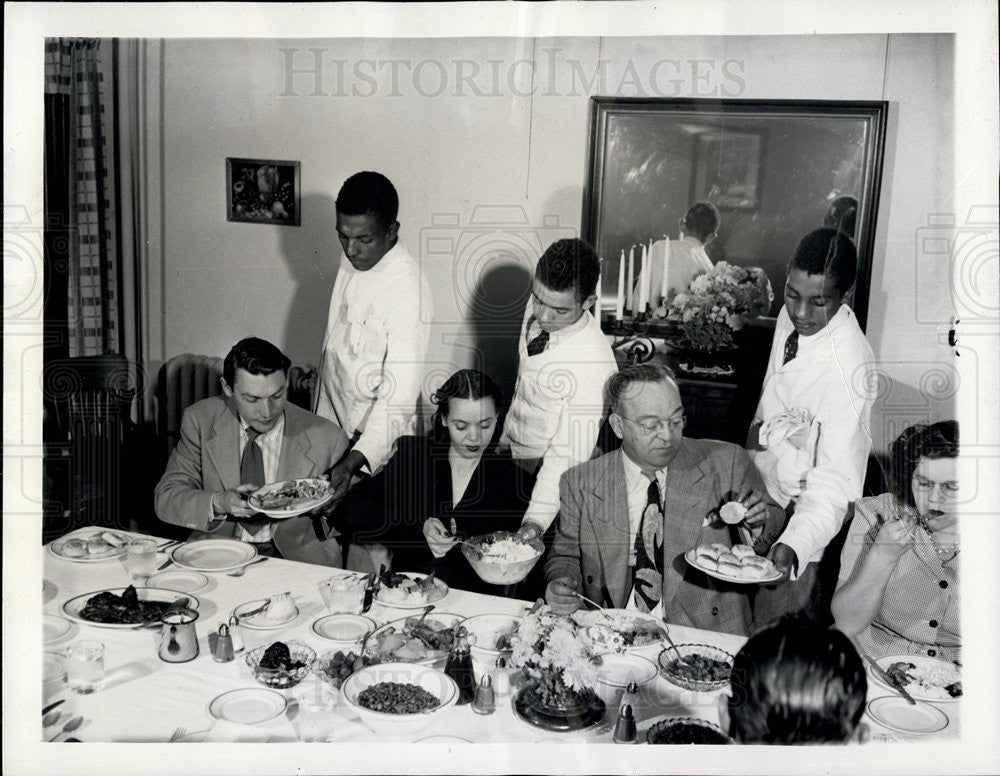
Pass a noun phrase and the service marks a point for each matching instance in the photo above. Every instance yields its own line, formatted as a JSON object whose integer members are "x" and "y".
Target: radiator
{"x": 184, "y": 380}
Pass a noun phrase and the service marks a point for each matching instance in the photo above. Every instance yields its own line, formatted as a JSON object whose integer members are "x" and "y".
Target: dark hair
{"x": 569, "y": 263}
{"x": 702, "y": 220}
{"x": 618, "y": 383}
{"x": 827, "y": 252}
{"x": 938, "y": 440}
{"x": 256, "y": 356}
{"x": 842, "y": 215}
{"x": 369, "y": 194}
{"x": 464, "y": 384}
{"x": 796, "y": 682}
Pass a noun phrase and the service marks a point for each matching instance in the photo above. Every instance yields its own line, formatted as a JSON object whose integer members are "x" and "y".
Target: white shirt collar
{"x": 634, "y": 475}
{"x": 272, "y": 433}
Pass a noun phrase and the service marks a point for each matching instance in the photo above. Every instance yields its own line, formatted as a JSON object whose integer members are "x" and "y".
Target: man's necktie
{"x": 791, "y": 347}
{"x": 649, "y": 550}
{"x": 252, "y": 473}
{"x": 537, "y": 344}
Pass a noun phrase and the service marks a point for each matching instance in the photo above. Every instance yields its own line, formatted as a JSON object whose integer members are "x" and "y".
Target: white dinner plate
{"x": 618, "y": 616}
{"x": 248, "y": 706}
{"x": 691, "y": 557}
{"x": 297, "y": 507}
{"x": 260, "y": 621}
{"x": 415, "y": 601}
{"x": 74, "y": 606}
{"x": 213, "y": 554}
{"x": 920, "y": 661}
{"x": 179, "y": 579}
{"x": 895, "y": 713}
{"x": 58, "y": 547}
{"x": 54, "y": 628}
{"x": 347, "y": 629}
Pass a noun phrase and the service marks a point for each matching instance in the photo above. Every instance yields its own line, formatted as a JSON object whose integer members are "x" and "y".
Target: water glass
{"x": 140, "y": 559}
{"x": 85, "y": 666}
{"x": 315, "y": 719}
{"x": 342, "y": 594}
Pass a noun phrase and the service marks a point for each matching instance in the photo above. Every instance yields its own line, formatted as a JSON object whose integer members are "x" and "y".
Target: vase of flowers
{"x": 554, "y": 654}
{"x": 716, "y": 305}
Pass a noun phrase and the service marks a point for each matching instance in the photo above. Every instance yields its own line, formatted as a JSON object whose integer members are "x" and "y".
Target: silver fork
{"x": 243, "y": 569}
{"x": 178, "y": 734}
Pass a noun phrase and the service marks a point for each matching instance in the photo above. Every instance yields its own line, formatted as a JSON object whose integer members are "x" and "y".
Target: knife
{"x": 165, "y": 563}
{"x": 51, "y": 706}
{"x": 889, "y": 680}
{"x": 369, "y": 593}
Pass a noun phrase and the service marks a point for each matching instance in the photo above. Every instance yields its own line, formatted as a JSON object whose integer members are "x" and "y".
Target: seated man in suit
{"x": 626, "y": 518}
{"x": 230, "y": 446}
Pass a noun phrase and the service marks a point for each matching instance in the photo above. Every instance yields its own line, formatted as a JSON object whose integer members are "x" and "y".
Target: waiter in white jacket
{"x": 811, "y": 438}
{"x": 377, "y": 331}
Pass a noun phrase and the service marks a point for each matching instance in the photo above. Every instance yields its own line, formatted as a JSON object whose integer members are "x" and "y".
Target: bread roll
{"x": 707, "y": 558}
{"x": 732, "y": 512}
{"x": 720, "y": 547}
{"x": 743, "y": 551}
{"x": 708, "y": 551}
{"x": 97, "y": 546}
{"x": 728, "y": 557}
{"x": 754, "y": 560}
{"x": 730, "y": 568}
{"x": 751, "y": 571}
{"x": 113, "y": 539}
{"x": 74, "y": 548}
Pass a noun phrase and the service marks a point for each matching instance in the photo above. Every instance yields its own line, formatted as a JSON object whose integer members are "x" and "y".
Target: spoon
{"x": 427, "y": 610}
{"x": 599, "y": 607}
{"x": 69, "y": 727}
{"x": 670, "y": 641}
{"x": 243, "y": 569}
{"x": 51, "y": 718}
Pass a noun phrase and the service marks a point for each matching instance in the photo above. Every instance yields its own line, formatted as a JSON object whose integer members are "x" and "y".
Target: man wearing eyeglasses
{"x": 627, "y": 518}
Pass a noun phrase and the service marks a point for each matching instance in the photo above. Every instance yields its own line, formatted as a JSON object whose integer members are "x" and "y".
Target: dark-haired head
{"x": 937, "y": 440}
{"x": 796, "y": 682}
{"x": 702, "y": 221}
{"x": 472, "y": 385}
{"x": 830, "y": 253}
{"x": 369, "y": 194}
{"x": 842, "y": 215}
{"x": 570, "y": 264}
{"x": 257, "y": 357}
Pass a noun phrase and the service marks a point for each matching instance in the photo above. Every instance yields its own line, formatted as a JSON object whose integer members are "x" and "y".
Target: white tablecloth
{"x": 147, "y": 700}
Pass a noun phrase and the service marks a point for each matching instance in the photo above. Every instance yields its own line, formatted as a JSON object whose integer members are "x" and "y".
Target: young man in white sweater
{"x": 564, "y": 360}
{"x": 811, "y": 436}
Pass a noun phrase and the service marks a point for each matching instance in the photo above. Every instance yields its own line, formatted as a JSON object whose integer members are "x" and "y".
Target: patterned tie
{"x": 537, "y": 345}
{"x": 791, "y": 347}
{"x": 649, "y": 550}
{"x": 252, "y": 473}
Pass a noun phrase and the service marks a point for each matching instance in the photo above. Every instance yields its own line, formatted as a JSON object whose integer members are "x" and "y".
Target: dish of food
{"x": 685, "y": 730}
{"x": 337, "y": 665}
{"x": 397, "y": 698}
{"x": 89, "y": 546}
{"x": 248, "y": 706}
{"x": 281, "y": 665}
{"x": 280, "y": 610}
{"x": 925, "y": 678}
{"x": 291, "y": 497}
{"x": 124, "y": 607}
{"x": 699, "y": 667}
{"x": 739, "y": 564}
{"x": 407, "y": 590}
{"x": 413, "y": 639}
{"x": 895, "y": 713}
{"x": 176, "y": 579}
{"x": 213, "y": 554}
{"x": 621, "y": 630}
{"x": 500, "y": 558}
{"x": 492, "y": 632}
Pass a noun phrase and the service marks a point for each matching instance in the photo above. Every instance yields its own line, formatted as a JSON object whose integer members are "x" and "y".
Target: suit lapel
{"x": 223, "y": 447}
{"x": 683, "y": 516}
{"x": 607, "y": 505}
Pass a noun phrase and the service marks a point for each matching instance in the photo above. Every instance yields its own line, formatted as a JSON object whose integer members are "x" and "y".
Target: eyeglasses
{"x": 652, "y": 426}
{"x": 923, "y": 485}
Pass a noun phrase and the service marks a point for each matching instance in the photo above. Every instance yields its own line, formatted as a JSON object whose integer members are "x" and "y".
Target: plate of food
{"x": 738, "y": 564}
{"x": 213, "y": 554}
{"x": 417, "y": 639}
{"x": 924, "y": 678}
{"x": 623, "y": 631}
{"x": 267, "y": 613}
{"x": 407, "y": 590}
{"x": 291, "y": 497}
{"x": 125, "y": 607}
{"x": 89, "y": 545}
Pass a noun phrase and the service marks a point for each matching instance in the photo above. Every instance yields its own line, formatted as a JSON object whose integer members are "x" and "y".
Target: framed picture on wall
{"x": 728, "y": 167}
{"x": 263, "y": 191}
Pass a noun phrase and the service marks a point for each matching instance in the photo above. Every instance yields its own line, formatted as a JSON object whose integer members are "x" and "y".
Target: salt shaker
{"x": 501, "y": 677}
{"x": 625, "y": 732}
{"x": 222, "y": 650}
{"x": 484, "y": 701}
{"x": 459, "y": 667}
{"x": 236, "y": 634}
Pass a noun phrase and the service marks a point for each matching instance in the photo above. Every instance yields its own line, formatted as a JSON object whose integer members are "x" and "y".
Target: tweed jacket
{"x": 592, "y": 534}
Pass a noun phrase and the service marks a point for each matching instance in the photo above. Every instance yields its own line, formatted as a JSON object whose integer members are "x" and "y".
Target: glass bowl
{"x": 702, "y": 674}
{"x": 499, "y": 572}
{"x": 686, "y": 730}
{"x": 281, "y": 678}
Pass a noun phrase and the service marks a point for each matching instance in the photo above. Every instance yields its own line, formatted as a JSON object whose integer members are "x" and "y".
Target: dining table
{"x": 145, "y": 699}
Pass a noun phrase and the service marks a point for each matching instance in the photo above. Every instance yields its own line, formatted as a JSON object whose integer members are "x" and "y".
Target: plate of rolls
{"x": 738, "y": 564}
{"x": 85, "y": 546}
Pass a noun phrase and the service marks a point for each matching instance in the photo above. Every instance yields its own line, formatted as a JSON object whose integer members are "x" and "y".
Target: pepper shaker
{"x": 484, "y": 702}
{"x": 222, "y": 650}
{"x": 625, "y": 732}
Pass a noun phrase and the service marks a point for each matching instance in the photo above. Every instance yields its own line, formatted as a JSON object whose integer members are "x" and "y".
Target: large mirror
{"x": 775, "y": 170}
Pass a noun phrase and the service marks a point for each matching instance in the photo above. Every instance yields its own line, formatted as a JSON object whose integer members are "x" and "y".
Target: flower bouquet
{"x": 555, "y": 654}
{"x": 718, "y": 303}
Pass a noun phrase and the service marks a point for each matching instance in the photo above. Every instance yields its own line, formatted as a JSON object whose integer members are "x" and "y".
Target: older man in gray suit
{"x": 230, "y": 446}
{"x": 627, "y": 518}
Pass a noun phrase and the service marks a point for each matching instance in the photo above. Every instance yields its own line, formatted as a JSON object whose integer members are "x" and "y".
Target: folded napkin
{"x": 796, "y": 426}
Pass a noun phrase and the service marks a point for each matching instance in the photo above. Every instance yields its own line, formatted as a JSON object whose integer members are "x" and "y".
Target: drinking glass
{"x": 342, "y": 594}
{"x": 85, "y": 666}
{"x": 315, "y": 719}
{"x": 140, "y": 559}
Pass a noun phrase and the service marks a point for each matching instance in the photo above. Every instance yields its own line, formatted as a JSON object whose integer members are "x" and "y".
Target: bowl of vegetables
{"x": 699, "y": 667}
{"x": 395, "y": 699}
{"x": 424, "y": 639}
{"x": 501, "y": 558}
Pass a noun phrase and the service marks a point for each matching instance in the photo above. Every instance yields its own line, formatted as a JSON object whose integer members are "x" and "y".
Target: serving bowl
{"x": 609, "y": 628}
{"x": 383, "y": 646}
{"x": 282, "y": 678}
{"x": 387, "y": 723}
{"x": 499, "y": 572}
{"x": 616, "y": 671}
{"x": 691, "y": 670}
{"x": 484, "y": 630}
{"x": 686, "y": 730}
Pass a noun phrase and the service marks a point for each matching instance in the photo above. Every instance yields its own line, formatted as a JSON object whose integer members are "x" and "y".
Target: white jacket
{"x": 373, "y": 353}
{"x": 558, "y": 406}
{"x": 813, "y": 425}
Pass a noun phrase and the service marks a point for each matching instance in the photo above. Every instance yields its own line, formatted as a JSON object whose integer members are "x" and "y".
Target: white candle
{"x": 620, "y": 300}
{"x": 644, "y": 281}
{"x": 666, "y": 268}
{"x": 630, "y": 303}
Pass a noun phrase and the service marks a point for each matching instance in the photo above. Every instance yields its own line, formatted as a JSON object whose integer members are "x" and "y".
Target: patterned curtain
{"x": 81, "y": 225}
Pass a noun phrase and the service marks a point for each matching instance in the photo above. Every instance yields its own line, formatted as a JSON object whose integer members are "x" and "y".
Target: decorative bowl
{"x": 388, "y": 723}
{"x": 699, "y": 675}
{"x": 282, "y": 678}
{"x": 496, "y": 571}
{"x": 484, "y": 631}
{"x": 686, "y": 730}
{"x": 616, "y": 671}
